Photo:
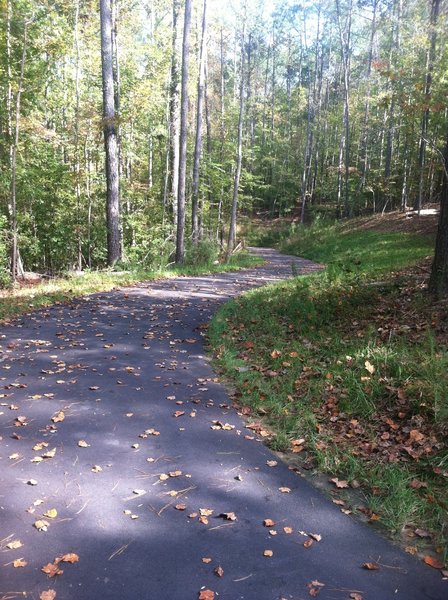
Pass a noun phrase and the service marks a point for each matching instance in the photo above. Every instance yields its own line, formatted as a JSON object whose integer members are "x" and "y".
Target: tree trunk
{"x": 198, "y": 141}
{"x": 180, "y": 234}
{"x": 16, "y": 264}
{"x": 430, "y": 57}
{"x": 174, "y": 110}
{"x": 76, "y": 149}
{"x": 239, "y": 153}
{"x": 438, "y": 283}
{"x": 110, "y": 138}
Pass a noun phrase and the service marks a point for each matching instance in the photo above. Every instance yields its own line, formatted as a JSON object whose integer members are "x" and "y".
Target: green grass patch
{"x": 20, "y": 300}
{"x": 354, "y": 360}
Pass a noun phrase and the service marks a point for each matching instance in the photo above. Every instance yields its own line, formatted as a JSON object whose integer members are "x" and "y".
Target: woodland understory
{"x": 291, "y": 108}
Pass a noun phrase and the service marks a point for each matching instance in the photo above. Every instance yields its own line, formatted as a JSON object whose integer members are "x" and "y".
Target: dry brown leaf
{"x": 370, "y": 368}
{"x": 315, "y": 536}
{"x": 288, "y": 530}
{"x": 41, "y": 525}
{"x": 180, "y": 506}
{"x": 271, "y": 463}
{"x": 58, "y": 417}
{"x": 229, "y": 516}
{"x": 18, "y": 563}
{"x": 371, "y": 566}
{"x": 48, "y": 595}
{"x": 355, "y": 596}
{"x": 308, "y": 543}
{"x": 433, "y": 562}
{"x": 268, "y": 553}
{"x": 339, "y": 483}
{"x": 206, "y": 595}
{"x": 284, "y": 490}
{"x": 218, "y": 571}
{"x": 52, "y": 570}
{"x": 71, "y": 557}
{"x": 14, "y": 545}
{"x": 268, "y": 523}
{"x": 83, "y": 444}
{"x": 206, "y": 560}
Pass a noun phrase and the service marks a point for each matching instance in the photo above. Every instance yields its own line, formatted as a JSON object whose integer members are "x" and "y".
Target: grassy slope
{"x": 18, "y": 301}
{"x": 353, "y": 361}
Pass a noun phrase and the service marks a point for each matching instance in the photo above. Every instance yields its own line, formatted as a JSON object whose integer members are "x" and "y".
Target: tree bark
{"x": 435, "y": 6}
{"x": 16, "y": 264}
{"x": 438, "y": 283}
{"x": 110, "y": 138}
{"x": 239, "y": 152}
{"x": 174, "y": 110}
{"x": 180, "y": 233}
{"x": 198, "y": 141}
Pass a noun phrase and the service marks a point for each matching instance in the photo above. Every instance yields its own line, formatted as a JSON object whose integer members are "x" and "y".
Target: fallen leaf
{"x": 370, "y": 368}
{"x": 41, "y": 525}
{"x": 96, "y": 469}
{"x": 339, "y": 483}
{"x": 229, "y": 516}
{"x": 308, "y": 543}
{"x": 178, "y": 413}
{"x": 433, "y": 562}
{"x": 315, "y": 536}
{"x": 180, "y": 506}
{"x": 206, "y": 560}
{"x": 14, "y": 545}
{"x": 218, "y": 571}
{"x": 18, "y": 563}
{"x": 288, "y": 530}
{"x": 71, "y": 557}
{"x": 355, "y": 596}
{"x": 48, "y": 595}
{"x": 268, "y": 553}
{"x": 284, "y": 490}
{"x": 315, "y": 587}
{"x": 205, "y": 512}
{"x": 52, "y": 570}
{"x": 271, "y": 463}
{"x": 268, "y": 523}
{"x": 58, "y": 417}
{"x": 371, "y": 566}
{"x": 51, "y": 514}
{"x": 50, "y": 453}
{"x": 83, "y": 444}
{"x": 206, "y": 595}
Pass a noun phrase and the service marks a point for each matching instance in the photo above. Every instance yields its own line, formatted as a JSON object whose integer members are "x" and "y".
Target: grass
{"x": 20, "y": 300}
{"x": 354, "y": 361}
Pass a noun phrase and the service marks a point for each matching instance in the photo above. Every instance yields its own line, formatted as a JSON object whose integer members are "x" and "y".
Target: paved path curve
{"x": 99, "y": 381}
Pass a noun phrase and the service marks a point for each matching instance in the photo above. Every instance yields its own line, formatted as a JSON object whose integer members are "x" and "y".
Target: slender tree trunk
{"x": 430, "y": 57}
{"x": 438, "y": 283}
{"x": 16, "y": 265}
{"x": 110, "y": 138}
{"x": 77, "y": 151}
{"x": 198, "y": 141}
{"x": 239, "y": 153}
{"x": 345, "y": 38}
{"x": 174, "y": 110}
{"x": 180, "y": 234}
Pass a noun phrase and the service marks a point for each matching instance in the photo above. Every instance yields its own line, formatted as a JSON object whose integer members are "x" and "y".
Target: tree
{"x": 198, "y": 141}
{"x": 110, "y": 137}
{"x": 438, "y": 283}
{"x": 239, "y": 148}
{"x": 180, "y": 233}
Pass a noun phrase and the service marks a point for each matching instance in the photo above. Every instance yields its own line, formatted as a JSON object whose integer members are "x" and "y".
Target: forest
{"x": 135, "y": 132}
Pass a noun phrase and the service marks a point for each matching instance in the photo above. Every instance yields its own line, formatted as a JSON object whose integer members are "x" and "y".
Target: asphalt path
{"x": 123, "y": 465}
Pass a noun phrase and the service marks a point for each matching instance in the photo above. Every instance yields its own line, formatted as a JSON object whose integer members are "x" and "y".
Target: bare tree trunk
{"x": 438, "y": 283}
{"x": 198, "y": 141}
{"x": 16, "y": 265}
{"x": 239, "y": 153}
{"x": 77, "y": 156}
{"x": 180, "y": 233}
{"x": 430, "y": 57}
{"x": 174, "y": 109}
{"x": 110, "y": 138}
{"x": 345, "y": 36}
